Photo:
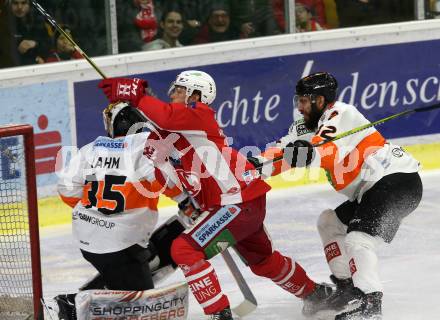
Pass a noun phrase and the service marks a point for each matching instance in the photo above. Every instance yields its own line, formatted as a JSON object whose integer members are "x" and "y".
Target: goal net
{"x": 20, "y": 271}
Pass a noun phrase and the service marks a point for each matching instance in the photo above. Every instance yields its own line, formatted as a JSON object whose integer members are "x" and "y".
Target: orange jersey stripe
{"x": 172, "y": 192}
{"x": 70, "y": 201}
{"x": 146, "y": 197}
{"x": 343, "y": 172}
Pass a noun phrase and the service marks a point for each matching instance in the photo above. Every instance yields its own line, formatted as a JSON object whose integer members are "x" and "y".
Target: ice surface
{"x": 409, "y": 266}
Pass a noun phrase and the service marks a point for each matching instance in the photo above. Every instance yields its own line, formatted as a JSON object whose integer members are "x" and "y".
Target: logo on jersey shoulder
{"x": 398, "y": 152}
{"x": 190, "y": 181}
{"x": 110, "y": 143}
{"x": 301, "y": 130}
{"x": 299, "y": 127}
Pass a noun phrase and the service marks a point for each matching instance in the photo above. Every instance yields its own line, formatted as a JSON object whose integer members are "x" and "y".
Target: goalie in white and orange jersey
{"x": 380, "y": 180}
{"x": 111, "y": 186}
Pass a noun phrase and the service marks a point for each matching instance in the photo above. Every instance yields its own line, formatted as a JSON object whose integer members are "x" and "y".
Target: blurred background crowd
{"x": 143, "y": 25}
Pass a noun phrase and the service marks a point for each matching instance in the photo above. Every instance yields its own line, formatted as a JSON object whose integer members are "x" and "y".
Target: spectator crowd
{"x": 159, "y": 24}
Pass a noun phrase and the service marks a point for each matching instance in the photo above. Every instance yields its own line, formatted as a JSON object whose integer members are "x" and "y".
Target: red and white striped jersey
{"x": 191, "y": 140}
{"x": 112, "y": 188}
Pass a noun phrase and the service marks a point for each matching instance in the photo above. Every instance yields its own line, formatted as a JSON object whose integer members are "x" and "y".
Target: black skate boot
{"x": 225, "y": 314}
{"x": 344, "y": 296}
{"x": 317, "y": 300}
{"x": 370, "y": 308}
{"x": 66, "y": 306}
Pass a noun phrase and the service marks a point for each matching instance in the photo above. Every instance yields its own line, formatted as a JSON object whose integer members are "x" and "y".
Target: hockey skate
{"x": 345, "y": 295}
{"x": 225, "y": 314}
{"x": 370, "y": 308}
{"x": 317, "y": 300}
{"x": 66, "y": 306}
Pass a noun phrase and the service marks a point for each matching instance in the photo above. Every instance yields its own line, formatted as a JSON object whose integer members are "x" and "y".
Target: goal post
{"x": 20, "y": 264}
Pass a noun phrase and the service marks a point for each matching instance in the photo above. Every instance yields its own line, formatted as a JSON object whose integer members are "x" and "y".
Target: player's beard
{"x": 315, "y": 114}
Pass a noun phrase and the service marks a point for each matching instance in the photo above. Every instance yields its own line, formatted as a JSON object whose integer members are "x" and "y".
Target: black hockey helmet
{"x": 120, "y": 117}
{"x": 320, "y": 84}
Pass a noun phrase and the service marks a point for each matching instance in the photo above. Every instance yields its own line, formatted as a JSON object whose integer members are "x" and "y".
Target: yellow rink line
{"x": 53, "y": 211}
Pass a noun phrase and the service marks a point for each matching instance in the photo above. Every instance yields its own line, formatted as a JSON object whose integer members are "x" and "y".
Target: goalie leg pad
{"x": 169, "y": 302}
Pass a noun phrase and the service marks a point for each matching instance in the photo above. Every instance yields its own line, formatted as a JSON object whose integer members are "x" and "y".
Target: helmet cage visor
{"x": 173, "y": 87}
{"x": 299, "y": 98}
{"x": 109, "y": 114}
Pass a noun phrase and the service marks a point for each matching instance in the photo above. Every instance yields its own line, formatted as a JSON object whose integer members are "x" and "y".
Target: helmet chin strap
{"x": 187, "y": 95}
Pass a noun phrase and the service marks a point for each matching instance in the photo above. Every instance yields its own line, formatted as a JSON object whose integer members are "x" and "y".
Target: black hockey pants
{"x": 383, "y": 207}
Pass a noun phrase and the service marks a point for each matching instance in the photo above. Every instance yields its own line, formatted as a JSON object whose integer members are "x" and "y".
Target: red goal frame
{"x": 27, "y": 132}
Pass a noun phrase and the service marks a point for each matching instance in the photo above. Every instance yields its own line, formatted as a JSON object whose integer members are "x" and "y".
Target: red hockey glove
{"x": 124, "y": 89}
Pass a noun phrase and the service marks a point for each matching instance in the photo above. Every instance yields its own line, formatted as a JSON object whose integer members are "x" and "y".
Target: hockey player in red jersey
{"x": 380, "y": 180}
{"x": 229, "y": 191}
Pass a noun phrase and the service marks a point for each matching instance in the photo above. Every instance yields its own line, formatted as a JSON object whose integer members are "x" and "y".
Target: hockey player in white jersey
{"x": 112, "y": 188}
{"x": 380, "y": 180}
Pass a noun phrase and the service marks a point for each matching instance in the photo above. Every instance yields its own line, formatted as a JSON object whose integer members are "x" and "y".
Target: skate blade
{"x": 331, "y": 314}
{"x": 324, "y": 315}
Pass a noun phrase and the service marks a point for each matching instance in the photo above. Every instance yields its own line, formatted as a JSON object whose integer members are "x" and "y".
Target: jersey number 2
{"x": 102, "y": 196}
{"x": 326, "y": 132}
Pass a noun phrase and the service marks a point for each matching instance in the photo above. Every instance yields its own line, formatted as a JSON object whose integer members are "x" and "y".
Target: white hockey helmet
{"x": 195, "y": 80}
{"x": 119, "y": 117}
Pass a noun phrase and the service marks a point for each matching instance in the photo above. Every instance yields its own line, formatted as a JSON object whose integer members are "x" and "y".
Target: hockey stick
{"x": 358, "y": 129}
{"x": 54, "y": 24}
{"x": 249, "y": 303}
